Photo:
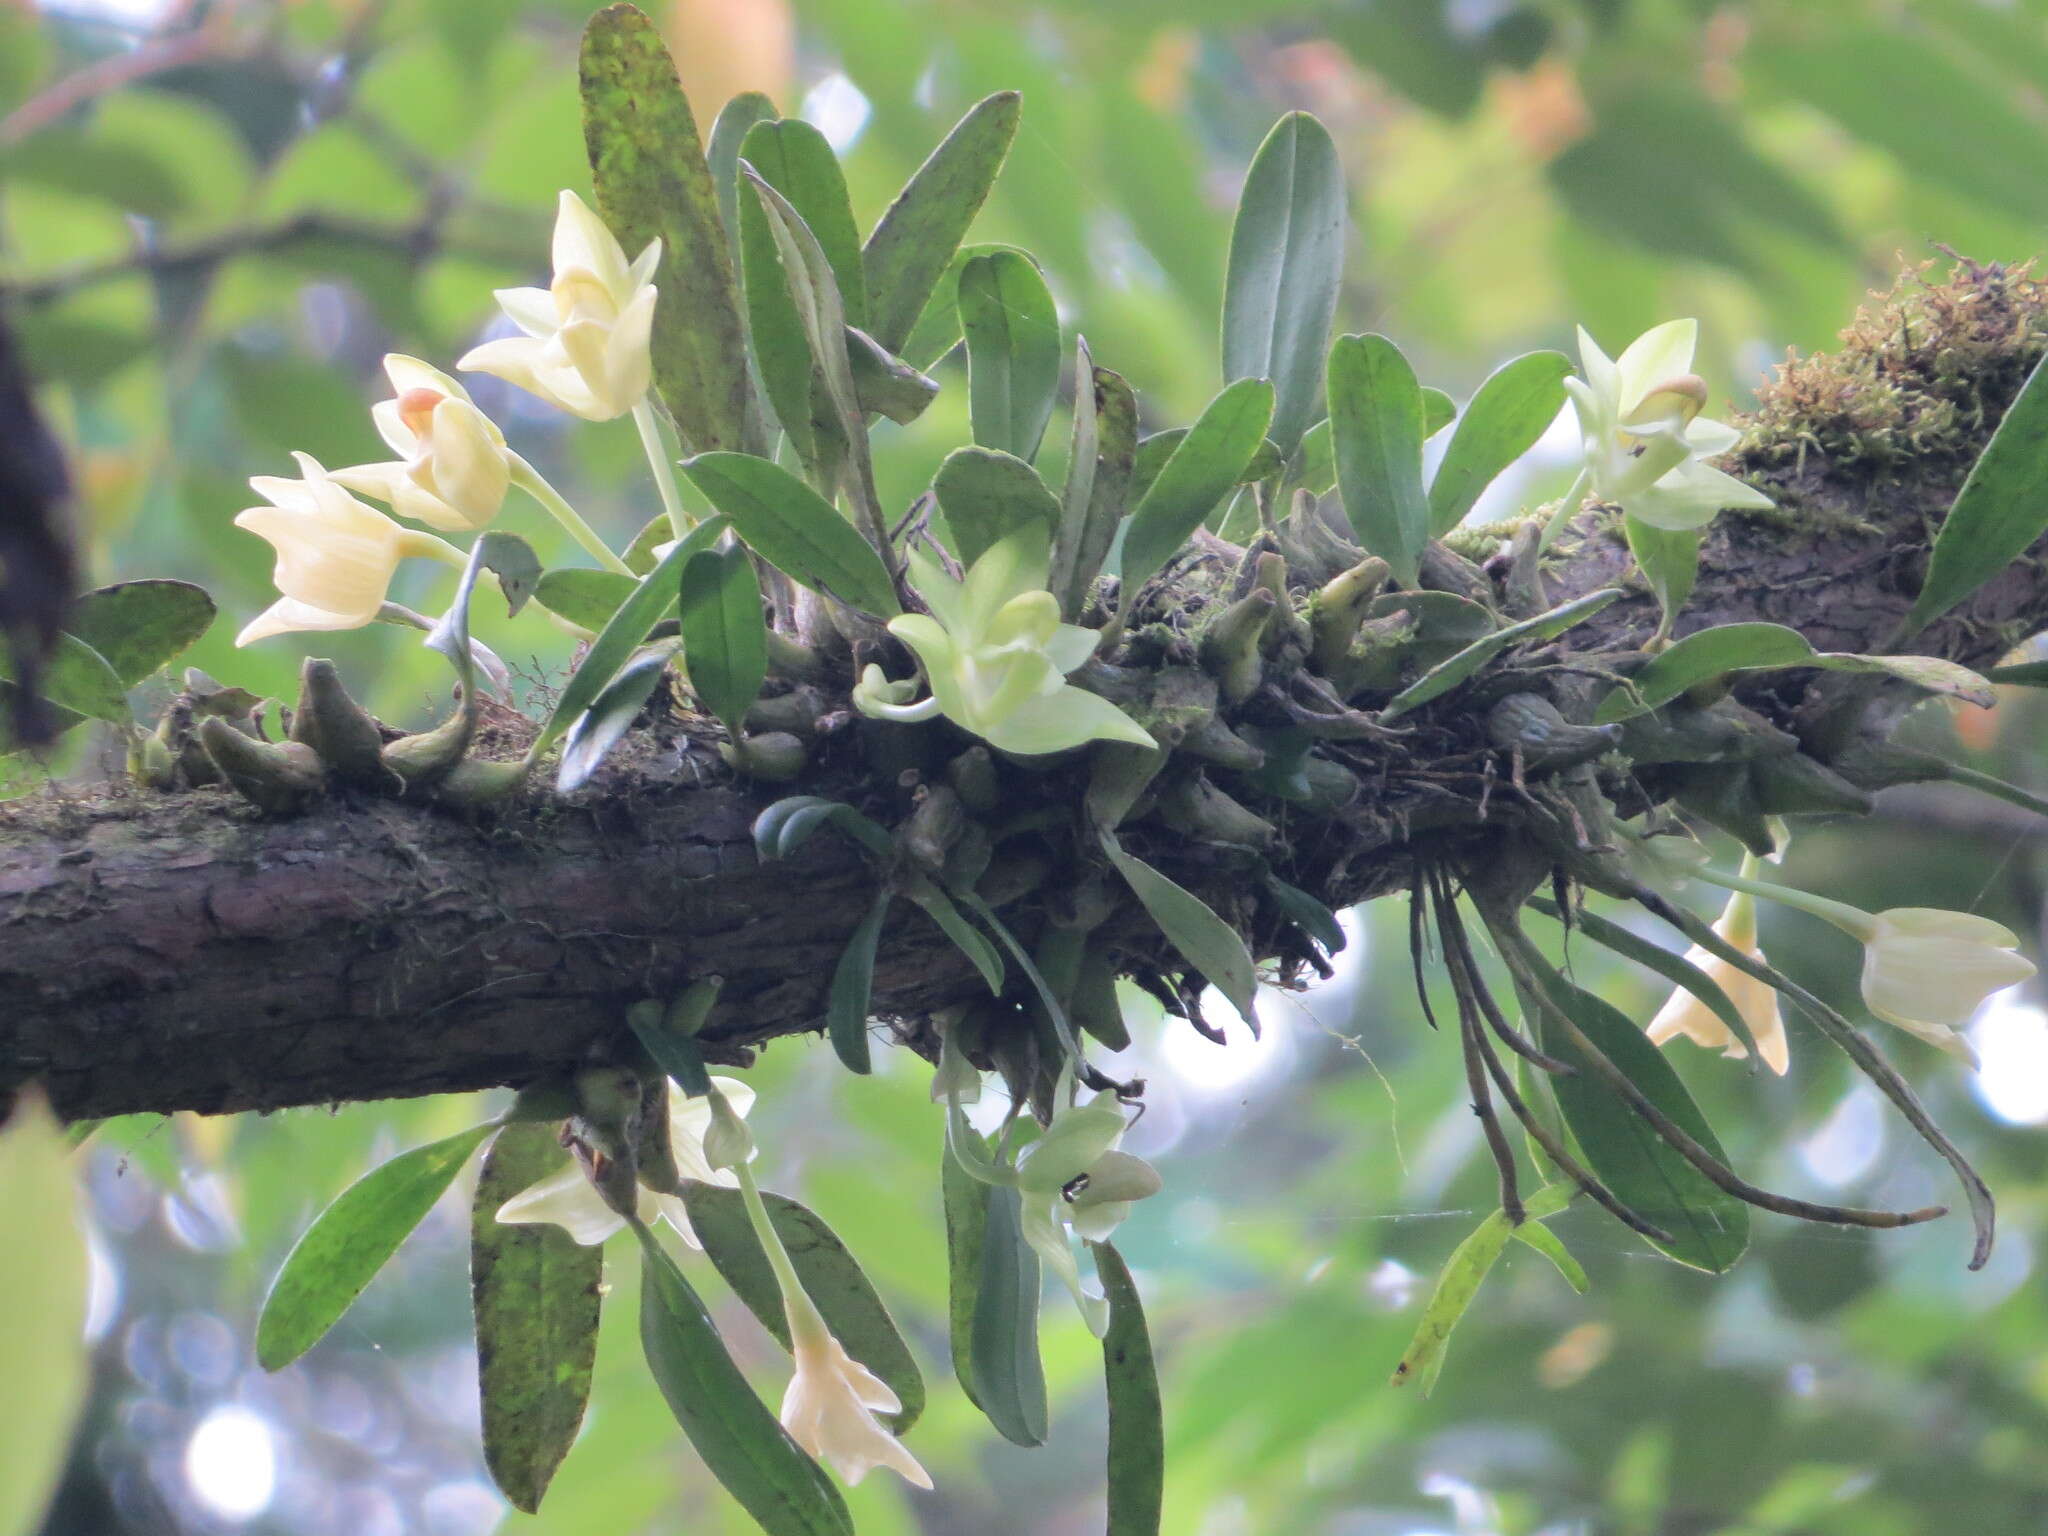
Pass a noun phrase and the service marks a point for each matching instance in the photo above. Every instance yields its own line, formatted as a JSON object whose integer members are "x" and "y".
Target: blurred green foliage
{"x": 214, "y": 218}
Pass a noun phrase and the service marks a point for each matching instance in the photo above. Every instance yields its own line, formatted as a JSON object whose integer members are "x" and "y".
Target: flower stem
{"x": 679, "y": 521}
{"x": 1567, "y": 508}
{"x": 805, "y": 1321}
{"x": 1854, "y": 921}
{"x": 529, "y": 480}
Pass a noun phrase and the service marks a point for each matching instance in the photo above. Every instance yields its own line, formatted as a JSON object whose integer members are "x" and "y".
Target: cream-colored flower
{"x": 1927, "y": 971}
{"x": 453, "y": 468}
{"x": 586, "y": 344}
{"x": 335, "y": 556}
{"x": 1756, "y": 1001}
{"x": 1074, "y": 1176}
{"x": 997, "y": 657}
{"x": 566, "y": 1199}
{"x": 1646, "y": 445}
{"x": 830, "y": 1406}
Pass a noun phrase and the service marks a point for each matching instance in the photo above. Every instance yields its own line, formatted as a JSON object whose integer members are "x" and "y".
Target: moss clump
{"x": 1922, "y": 374}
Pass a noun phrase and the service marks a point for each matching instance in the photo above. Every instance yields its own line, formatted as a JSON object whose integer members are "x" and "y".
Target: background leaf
{"x": 138, "y": 626}
{"x": 794, "y": 529}
{"x": 1013, "y": 351}
{"x": 1009, "y": 1380}
{"x": 1137, "y": 1446}
{"x": 1205, "y": 941}
{"x": 1376, "y": 440}
{"x": 1518, "y": 400}
{"x": 987, "y": 495}
{"x": 1198, "y": 474}
{"x": 725, "y": 636}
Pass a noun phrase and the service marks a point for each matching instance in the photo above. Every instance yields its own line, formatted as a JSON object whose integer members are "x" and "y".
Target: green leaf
{"x": 1157, "y": 447}
{"x": 787, "y": 825}
{"x": 77, "y": 677}
{"x": 1465, "y": 1271}
{"x": 782, "y": 348}
{"x": 1008, "y": 1377}
{"x": 1708, "y": 654}
{"x": 623, "y": 632}
{"x": 987, "y": 495}
{"x": 1198, "y": 474}
{"x": 137, "y": 626}
{"x": 965, "y": 936}
{"x": 611, "y": 714}
{"x": 1137, "y": 1432}
{"x": 512, "y": 560}
{"x": 831, "y": 1276}
{"x": 1546, "y": 1242}
{"x": 725, "y": 637}
{"x": 536, "y": 1293}
{"x": 1510, "y": 411}
{"x": 751, "y": 1455}
{"x": 1447, "y": 674}
{"x": 587, "y": 597}
{"x": 1439, "y": 410}
{"x": 914, "y": 242}
{"x": 1376, "y": 439}
{"x": 2025, "y": 674}
{"x": 795, "y": 529}
{"x": 1709, "y": 1228}
{"x": 937, "y": 331}
{"x": 797, "y": 160}
{"x": 1204, "y": 940}
{"x": 884, "y": 383}
{"x": 639, "y": 555}
{"x": 853, "y": 985}
{"x": 722, "y": 157}
{"x": 966, "y": 1200}
{"x": 1286, "y": 263}
{"x": 668, "y": 1033}
{"x": 1093, "y": 503}
{"x": 349, "y": 1242}
{"x": 1013, "y": 351}
{"x": 652, "y": 182}
{"x": 2000, "y": 511}
{"x": 1674, "y": 968}
{"x": 1306, "y": 913}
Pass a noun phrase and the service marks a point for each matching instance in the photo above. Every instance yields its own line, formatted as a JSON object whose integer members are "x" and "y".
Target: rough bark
{"x": 180, "y": 952}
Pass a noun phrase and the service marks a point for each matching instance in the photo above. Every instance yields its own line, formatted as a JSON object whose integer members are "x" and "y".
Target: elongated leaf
{"x": 536, "y": 1293}
{"x": 1376, "y": 439}
{"x": 965, "y": 936}
{"x": 349, "y": 1242}
{"x": 937, "y": 331}
{"x": 1286, "y": 262}
{"x": 1712, "y": 653}
{"x": 884, "y": 383}
{"x": 1156, "y": 449}
{"x": 1137, "y": 1432}
{"x": 1200, "y": 472}
{"x": 1447, "y": 674}
{"x": 853, "y": 984}
{"x": 1013, "y": 351}
{"x": 621, "y": 636}
{"x": 1439, "y": 410}
{"x": 831, "y": 1276}
{"x": 796, "y": 160}
{"x": 611, "y": 714}
{"x": 1709, "y": 1228}
{"x": 668, "y": 1034}
{"x": 781, "y": 343}
{"x": 787, "y": 825}
{"x": 511, "y": 559}
{"x": 966, "y": 1200}
{"x": 584, "y": 596}
{"x": 1546, "y": 1242}
{"x": 1507, "y": 414}
{"x": 988, "y": 495}
{"x": 77, "y": 677}
{"x": 795, "y": 529}
{"x": 2024, "y": 674}
{"x": 750, "y": 1454}
{"x": 1669, "y": 559}
{"x": 1009, "y": 1379}
{"x": 1088, "y": 527}
{"x": 1676, "y": 969}
{"x": 1307, "y": 914}
{"x": 725, "y": 637}
{"x": 722, "y": 156}
{"x": 1466, "y": 1270}
{"x": 916, "y": 238}
{"x": 1204, "y": 940}
{"x": 653, "y": 183}
{"x": 137, "y": 626}
{"x": 2000, "y": 511}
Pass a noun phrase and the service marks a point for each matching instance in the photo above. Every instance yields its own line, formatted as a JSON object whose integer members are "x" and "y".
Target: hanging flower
{"x": 586, "y": 344}
{"x": 1927, "y": 971}
{"x": 1757, "y": 1001}
{"x": 566, "y": 1199}
{"x": 1075, "y": 1176}
{"x": 996, "y": 656}
{"x": 454, "y": 467}
{"x": 335, "y": 556}
{"x": 830, "y": 1406}
{"x": 1646, "y": 445}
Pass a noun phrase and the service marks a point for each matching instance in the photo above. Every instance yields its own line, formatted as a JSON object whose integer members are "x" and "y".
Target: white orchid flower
{"x": 566, "y": 1199}
{"x": 335, "y": 556}
{"x": 1646, "y": 445}
{"x": 1756, "y": 1001}
{"x": 1075, "y": 1176}
{"x": 996, "y": 656}
{"x": 586, "y": 344}
{"x": 830, "y": 1405}
{"x": 453, "y": 468}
